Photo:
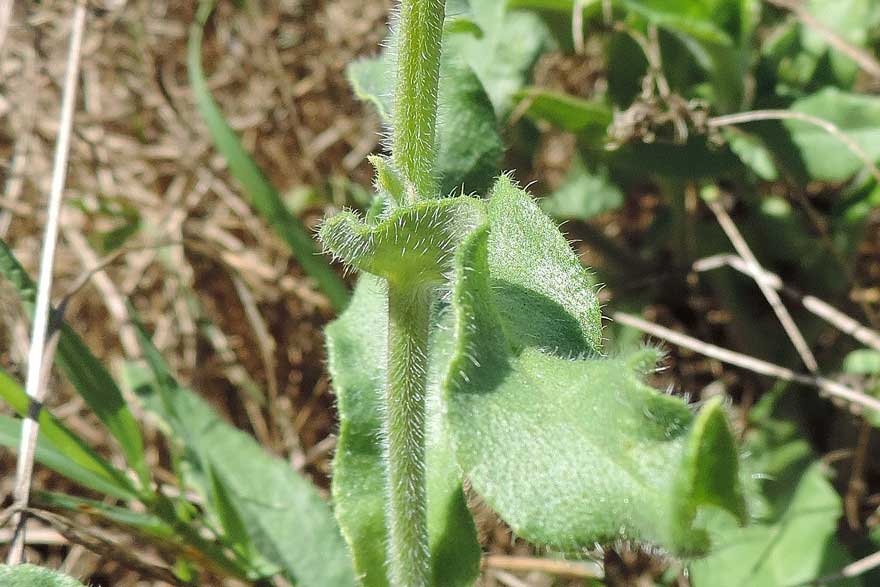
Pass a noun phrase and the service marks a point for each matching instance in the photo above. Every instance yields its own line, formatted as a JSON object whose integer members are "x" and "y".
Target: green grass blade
{"x": 144, "y": 523}
{"x": 264, "y": 197}
{"x": 86, "y": 373}
{"x": 58, "y": 460}
{"x": 65, "y": 441}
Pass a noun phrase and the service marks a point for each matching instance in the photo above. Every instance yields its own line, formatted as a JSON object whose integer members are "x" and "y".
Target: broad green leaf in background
{"x": 792, "y": 539}
{"x": 752, "y": 152}
{"x": 288, "y": 522}
{"x": 862, "y": 362}
{"x": 852, "y": 20}
{"x": 569, "y": 447}
{"x": 263, "y": 195}
{"x": 56, "y": 438}
{"x": 857, "y": 115}
{"x": 589, "y": 119}
{"x": 34, "y": 576}
{"x": 86, "y": 373}
{"x": 584, "y": 193}
{"x": 702, "y": 19}
{"x": 503, "y": 53}
{"x": 355, "y": 345}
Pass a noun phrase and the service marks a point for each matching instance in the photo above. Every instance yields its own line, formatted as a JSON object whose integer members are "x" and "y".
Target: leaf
{"x": 356, "y": 350}
{"x": 288, "y": 522}
{"x": 468, "y": 144}
{"x": 86, "y": 373}
{"x": 862, "y": 362}
{"x": 825, "y": 157}
{"x": 588, "y": 119}
{"x": 851, "y": 20}
{"x": 792, "y": 541}
{"x": 264, "y": 197}
{"x": 58, "y": 438}
{"x": 583, "y": 194}
{"x": 752, "y": 152}
{"x": 143, "y": 522}
{"x": 504, "y": 52}
{"x": 568, "y": 447}
{"x": 413, "y": 245}
{"x": 60, "y": 461}
{"x": 34, "y": 576}
{"x": 702, "y": 19}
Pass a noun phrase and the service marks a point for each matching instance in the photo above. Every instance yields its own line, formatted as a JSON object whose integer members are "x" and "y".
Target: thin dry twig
{"x": 5, "y": 17}
{"x": 820, "y": 308}
{"x": 41, "y": 349}
{"x": 854, "y": 569}
{"x": 862, "y": 58}
{"x": 829, "y": 127}
{"x": 562, "y": 568}
{"x": 788, "y": 324}
{"x": 832, "y": 388}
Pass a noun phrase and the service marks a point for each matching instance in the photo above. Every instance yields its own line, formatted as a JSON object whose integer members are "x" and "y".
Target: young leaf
{"x": 288, "y": 522}
{"x": 34, "y": 576}
{"x": 66, "y": 443}
{"x": 86, "y": 373}
{"x": 264, "y": 196}
{"x": 412, "y": 245}
{"x": 569, "y": 448}
{"x": 589, "y": 119}
{"x": 356, "y": 349}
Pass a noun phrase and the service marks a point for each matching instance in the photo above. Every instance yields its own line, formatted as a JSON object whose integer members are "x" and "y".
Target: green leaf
{"x": 88, "y": 467}
{"x": 356, "y": 350}
{"x": 752, "y": 152}
{"x": 568, "y": 447}
{"x": 412, "y": 245}
{"x": 588, "y": 119}
{"x": 288, "y": 522}
{"x": 862, "y": 362}
{"x": 264, "y": 197}
{"x": 825, "y": 157}
{"x": 792, "y": 540}
{"x": 56, "y": 459}
{"x": 86, "y": 373}
{"x": 34, "y": 576}
{"x": 145, "y": 523}
{"x": 583, "y": 194}
{"x": 851, "y": 20}
{"x": 469, "y": 147}
{"x": 503, "y": 54}
{"x": 702, "y": 19}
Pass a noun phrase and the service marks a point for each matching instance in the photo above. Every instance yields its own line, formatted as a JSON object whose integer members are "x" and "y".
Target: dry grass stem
{"x": 561, "y": 568}
{"x": 834, "y": 389}
{"x": 820, "y": 308}
{"x": 772, "y": 296}
{"x": 42, "y": 346}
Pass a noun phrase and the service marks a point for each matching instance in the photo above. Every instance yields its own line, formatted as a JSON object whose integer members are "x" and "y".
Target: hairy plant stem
{"x": 419, "y": 40}
{"x": 409, "y": 313}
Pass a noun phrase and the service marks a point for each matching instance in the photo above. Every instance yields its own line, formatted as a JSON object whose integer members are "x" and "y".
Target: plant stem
{"x": 409, "y": 311}
{"x": 419, "y": 40}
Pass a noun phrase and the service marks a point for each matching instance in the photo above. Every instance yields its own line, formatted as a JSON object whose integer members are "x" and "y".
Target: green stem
{"x": 409, "y": 309}
{"x": 419, "y": 40}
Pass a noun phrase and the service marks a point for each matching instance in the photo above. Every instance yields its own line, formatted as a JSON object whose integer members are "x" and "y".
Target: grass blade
{"x": 59, "y": 460}
{"x": 86, "y": 373}
{"x": 264, "y": 197}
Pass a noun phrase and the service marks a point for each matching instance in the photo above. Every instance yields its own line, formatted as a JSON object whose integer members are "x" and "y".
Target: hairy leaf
{"x": 356, "y": 349}
{"x": 34, "y": 576}
{"x": 412, "y": 245}
{"x": 569, "y": 447}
